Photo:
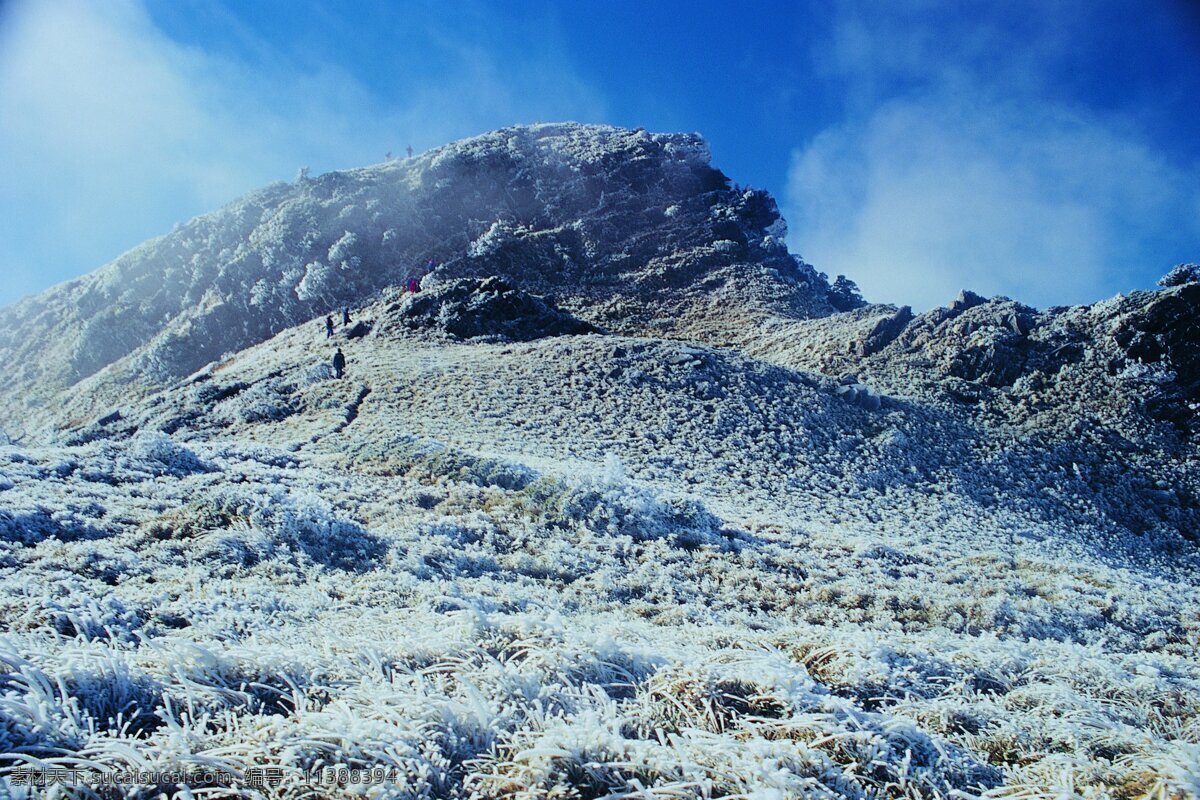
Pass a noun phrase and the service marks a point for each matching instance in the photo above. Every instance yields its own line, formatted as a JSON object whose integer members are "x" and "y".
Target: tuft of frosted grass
{"x": 491, "y": 630}
{"x": 158, "y": 454}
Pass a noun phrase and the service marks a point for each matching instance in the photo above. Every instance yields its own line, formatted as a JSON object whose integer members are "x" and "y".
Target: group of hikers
{"x": 329, "y": 322}
{"x": 408, "y": 150}
{"x": 339, "y": 358}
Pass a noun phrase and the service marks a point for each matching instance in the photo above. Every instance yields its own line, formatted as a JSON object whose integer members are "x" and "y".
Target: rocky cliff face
{"x": 631, "y": 230}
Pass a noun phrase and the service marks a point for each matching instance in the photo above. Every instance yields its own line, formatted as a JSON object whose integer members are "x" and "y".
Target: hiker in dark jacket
{"x": 345, "y": 316}
{"x": 328, "y": 326}
{"x": 339, "y": 363}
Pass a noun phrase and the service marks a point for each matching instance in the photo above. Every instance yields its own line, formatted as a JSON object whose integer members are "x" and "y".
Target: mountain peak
{"x": 630, "y": 230}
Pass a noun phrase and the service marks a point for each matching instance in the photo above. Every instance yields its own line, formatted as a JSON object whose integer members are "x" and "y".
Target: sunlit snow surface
{"x": 640, "y": 516}
{"x": 578, "y": 567}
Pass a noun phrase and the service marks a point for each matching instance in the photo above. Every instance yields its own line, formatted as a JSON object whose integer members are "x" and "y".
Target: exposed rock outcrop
{"x": 630, "y": 230}
{"x": 488, "y": 309}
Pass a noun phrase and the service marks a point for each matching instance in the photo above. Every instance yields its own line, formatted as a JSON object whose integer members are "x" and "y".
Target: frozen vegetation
{"x": 666, "y": 515}
{"x": 579, "y": 212}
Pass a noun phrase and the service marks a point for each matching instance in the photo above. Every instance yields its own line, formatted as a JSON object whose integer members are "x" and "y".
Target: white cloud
{"x": 928, "y": 197}
{"x": 110, "y": 131}
{"x": 961, "y": 175}
{"x": 105, "y": 120}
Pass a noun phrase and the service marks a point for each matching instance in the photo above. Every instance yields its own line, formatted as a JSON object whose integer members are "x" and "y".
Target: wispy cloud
{"x": 956, "y": 167}
{"x": 111, "y": 131}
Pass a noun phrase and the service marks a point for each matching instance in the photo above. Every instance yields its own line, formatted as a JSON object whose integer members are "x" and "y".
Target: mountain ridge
{"x": 600, "y": 217}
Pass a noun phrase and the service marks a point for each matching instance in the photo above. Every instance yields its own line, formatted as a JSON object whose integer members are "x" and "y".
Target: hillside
{"x": 635, "y": 231}
{"x": 665, "y": 515}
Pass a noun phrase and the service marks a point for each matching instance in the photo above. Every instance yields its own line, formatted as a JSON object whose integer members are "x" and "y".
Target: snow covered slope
{"x": 632, "y": 230}
{"x": 755, "y": 434}
{"x": 582, "y": 565}
{"x": 665, "y": 517}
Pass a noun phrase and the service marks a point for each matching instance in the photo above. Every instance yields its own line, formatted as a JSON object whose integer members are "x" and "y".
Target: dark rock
{"x": 1019, "y": 324}
{"x": 487, "y": 308}
{"x": 1167, "y": 332}
{"x": 859, "y": 394}
{"x": 886, "y": 331}
{"x": 965, "y": 300}
{"x": 995, "y": 363}
{"x": 360, "y": 329}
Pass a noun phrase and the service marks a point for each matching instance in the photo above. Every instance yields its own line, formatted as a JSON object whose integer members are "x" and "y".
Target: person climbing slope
{"x": 339, "y": 363}
{"x": 345, "y": 316}
{"x": 414, "y": 285}
{"x": 328, "y": 326}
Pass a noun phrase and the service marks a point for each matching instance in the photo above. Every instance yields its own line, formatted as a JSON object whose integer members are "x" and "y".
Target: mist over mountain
{"x": 637, "y": 231}
{"x": 626, "y": 501}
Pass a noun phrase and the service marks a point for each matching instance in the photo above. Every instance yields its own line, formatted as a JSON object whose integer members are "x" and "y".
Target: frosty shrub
{"x": 219, "y": 510}
{"x": 316, "y": 373}
{"x": 156, "y": 453}
{"x": 434, "y": 462}
{"x": 316, "y": 283}
{"x": 241, "y": 547}
{"x": 1181, "y": 274}
{"x": 29, "y": 526}
{"x": 844, "y": 294}
{"x": 264, "y": 411}
{"x": 607, "y": 502}
{"x": 242, "y": 527}
{"x": 254, "y": 524}
{"x": 310, "y": 525}
{"x": 261, "y": 454}
{"x": 260, "y": 293}
{"x": 342, "y": 251}
{"x": 479, "y": 471}
{"x": 211, "y": 393}
{"x": 267, "y": 401}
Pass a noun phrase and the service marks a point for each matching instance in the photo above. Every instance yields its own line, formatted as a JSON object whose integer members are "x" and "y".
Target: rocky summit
{"x": 612, "y": 496}
{"x": 630, "y": 230}
{"x": 490, "y": 309}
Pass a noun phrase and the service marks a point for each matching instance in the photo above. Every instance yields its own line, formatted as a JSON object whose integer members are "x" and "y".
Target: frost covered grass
{"x": 592, "y": 566}
{"x": 957, "y": 558}
{"x": 494, "y": 630}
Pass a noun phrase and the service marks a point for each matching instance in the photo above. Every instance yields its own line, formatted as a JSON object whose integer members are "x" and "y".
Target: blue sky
{"x": 1042, "y": 150}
